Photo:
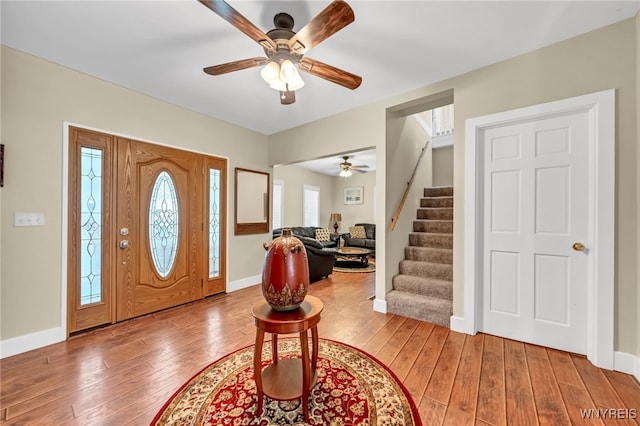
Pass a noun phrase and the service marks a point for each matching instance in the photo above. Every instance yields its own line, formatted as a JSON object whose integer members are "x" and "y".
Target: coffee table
{"x": 352, "y": 257}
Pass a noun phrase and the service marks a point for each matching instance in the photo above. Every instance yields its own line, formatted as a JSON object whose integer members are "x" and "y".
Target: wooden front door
{"x": 158, "y": 226}
{"x": 146, "y": 228}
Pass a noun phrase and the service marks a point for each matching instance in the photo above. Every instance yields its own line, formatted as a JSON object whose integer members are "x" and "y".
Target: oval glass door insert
{"x": 163, "y": 224}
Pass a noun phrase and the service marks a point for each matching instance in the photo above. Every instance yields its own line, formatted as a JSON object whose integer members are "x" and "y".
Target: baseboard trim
{"x": 380, "y": 305}
{"x": 28, "y": 342}
{"x": 460, "y": 325}
{"x": 627, "y": 363}
{"x": 243, "y": 283}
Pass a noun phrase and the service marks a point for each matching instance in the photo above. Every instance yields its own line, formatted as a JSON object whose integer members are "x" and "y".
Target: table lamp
{"x": 335, "y": 218}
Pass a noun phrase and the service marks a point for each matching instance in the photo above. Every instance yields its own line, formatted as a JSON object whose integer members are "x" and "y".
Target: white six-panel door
{"x": 535, "y": 218}
{"x": 538, "y": 180}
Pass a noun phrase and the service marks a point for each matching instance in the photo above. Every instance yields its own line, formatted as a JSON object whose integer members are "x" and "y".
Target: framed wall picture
{"x": 353, "y": 195}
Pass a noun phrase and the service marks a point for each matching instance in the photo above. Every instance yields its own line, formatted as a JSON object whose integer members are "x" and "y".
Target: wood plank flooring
{"x": 122, "y": 374}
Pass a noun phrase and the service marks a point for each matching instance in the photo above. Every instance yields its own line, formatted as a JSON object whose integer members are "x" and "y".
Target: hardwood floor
{"x": 122, "y": 374}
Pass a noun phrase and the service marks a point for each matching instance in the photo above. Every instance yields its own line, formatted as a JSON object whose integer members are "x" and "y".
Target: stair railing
{"x": 396, "y": 215}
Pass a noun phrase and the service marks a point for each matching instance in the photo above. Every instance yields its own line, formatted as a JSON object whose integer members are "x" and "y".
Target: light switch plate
{"x": 28, "y": 219}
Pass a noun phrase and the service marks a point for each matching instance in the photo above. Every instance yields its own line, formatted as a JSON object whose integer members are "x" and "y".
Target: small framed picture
{"x": 353, "y": 195}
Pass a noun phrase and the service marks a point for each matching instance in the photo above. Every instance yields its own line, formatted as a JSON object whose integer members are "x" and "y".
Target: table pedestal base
{"x": 291, "y": 378}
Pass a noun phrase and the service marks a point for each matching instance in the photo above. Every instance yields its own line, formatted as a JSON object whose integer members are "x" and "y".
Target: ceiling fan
{"x": 285, "y": 49}
{"x": 347, "y": 168}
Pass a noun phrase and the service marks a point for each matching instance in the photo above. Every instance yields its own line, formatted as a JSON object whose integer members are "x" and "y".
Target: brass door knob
{"x": 578, "y": 246}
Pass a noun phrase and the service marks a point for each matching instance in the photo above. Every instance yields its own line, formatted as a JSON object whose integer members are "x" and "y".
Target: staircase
{"x": 424, "y": 287}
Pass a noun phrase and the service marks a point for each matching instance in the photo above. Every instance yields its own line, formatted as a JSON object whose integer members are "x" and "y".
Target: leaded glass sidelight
{"x": 163, "y": 224}
{"x": 214, "y": 223}
{"x": 91, "y": 225}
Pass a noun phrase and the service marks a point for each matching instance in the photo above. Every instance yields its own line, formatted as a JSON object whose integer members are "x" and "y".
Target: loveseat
{"x": 320, "y": 254}
{"x": 369, "y": 242}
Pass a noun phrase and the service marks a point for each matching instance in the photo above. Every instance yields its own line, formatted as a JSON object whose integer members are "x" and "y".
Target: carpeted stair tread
{"x": 438, "y": 213}
{"x": 426, "y": 269}
{"x": 436, "y": 202}
{"x": 423, "y": 308}
{"x": 423, "y": 239}
{"x": 429, "y": 254}
{"x": 426, "y": 286}
{"x": 433, "y": 226}
{"x": 423, "y": 289}
{"x": 438, "y": 191}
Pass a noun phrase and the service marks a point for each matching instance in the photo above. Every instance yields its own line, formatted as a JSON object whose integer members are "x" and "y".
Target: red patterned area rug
{"x": 353, "y": 388}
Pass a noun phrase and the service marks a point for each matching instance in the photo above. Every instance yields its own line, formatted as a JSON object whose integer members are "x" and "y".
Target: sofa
{"x": 369, "y": 242}
{"x": 320, "y": 254}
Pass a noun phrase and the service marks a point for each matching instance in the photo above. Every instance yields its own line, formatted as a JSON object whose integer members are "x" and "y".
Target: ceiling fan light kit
{"x": 283, "y": 77}
{"x": 285, "y": 48}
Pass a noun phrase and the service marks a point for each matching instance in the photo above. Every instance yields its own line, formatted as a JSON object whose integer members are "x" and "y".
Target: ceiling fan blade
{"x": 328, "y": 22}
{"x": 235, "y": 66}
{"x": 236, "y": 19}
{"x": 287, "y": 98}
{"x": 331, "y": 73}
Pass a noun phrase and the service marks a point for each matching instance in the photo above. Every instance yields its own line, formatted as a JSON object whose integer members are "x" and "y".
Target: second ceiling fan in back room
{"x": 285, "y": 48}
{"x": 346, "y": 168}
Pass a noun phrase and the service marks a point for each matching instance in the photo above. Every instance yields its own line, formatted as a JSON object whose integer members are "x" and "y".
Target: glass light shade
{"x": 271, "y": 72}
{"x": 288, "y": 71}
{"x": 278, "y": 85}
{"x": 345, "y": 173}
{"x": 295, "y": 83}
{"x": 284, "y": 77}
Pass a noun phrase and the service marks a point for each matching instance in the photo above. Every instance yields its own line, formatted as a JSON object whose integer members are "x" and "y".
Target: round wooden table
{"x": 287, "y": 379}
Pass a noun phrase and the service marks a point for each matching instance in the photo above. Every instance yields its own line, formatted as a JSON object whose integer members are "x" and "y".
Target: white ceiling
{"x": 364, "y": 160}
{"x": 160, "y": 47}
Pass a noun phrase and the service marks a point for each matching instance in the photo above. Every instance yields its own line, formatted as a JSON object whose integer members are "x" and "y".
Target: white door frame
{"x": 600, "y": 107}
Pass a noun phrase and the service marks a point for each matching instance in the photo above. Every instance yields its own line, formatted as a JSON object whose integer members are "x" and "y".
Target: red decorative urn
{"x": 285, "y": 272}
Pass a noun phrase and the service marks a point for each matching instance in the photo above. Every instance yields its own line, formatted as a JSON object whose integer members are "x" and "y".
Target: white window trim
{"x": 280, "y": 183}
{"x": 304, "y": 203}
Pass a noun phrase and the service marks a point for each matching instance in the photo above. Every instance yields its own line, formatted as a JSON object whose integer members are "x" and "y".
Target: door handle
{"x": 124, "y": 244}
{"x": 577, "y": 246}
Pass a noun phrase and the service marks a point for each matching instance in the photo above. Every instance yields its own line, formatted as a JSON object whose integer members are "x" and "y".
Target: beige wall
{"x": 637, "y": 280}
{"x": 331, "y": 196}
{"x": 443, "y": 166}
{"x": 294, "y": 179}
{"x": 405, "y": 140}
{"x": 1, "y": 141}
{"x": 600, "y": 60}
{"x": 37, "y": 97}
{"x": 355, "y": 213}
